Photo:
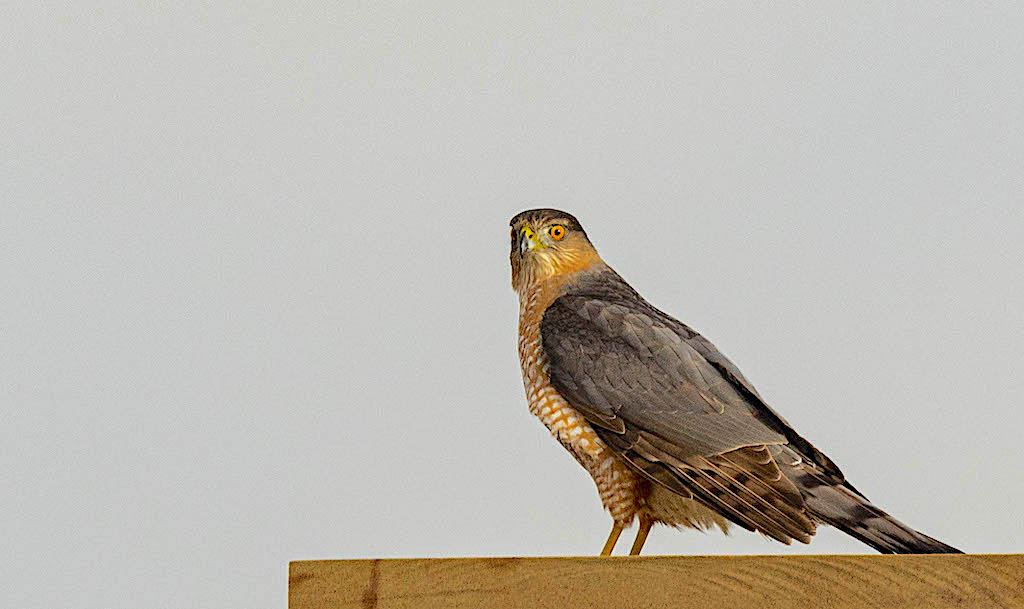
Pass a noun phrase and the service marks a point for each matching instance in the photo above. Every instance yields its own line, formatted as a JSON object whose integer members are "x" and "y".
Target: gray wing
{"x": 675, "y": 409}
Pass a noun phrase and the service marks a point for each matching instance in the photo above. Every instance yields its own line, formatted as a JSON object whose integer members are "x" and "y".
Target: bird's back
{"x": 683, "y": 416}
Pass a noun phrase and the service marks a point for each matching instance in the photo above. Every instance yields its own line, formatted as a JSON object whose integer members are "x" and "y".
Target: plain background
{"x": 256, "y": 302}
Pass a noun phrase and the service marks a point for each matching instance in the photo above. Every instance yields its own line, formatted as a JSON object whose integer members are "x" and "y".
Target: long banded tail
{"x": 843, "y": 507}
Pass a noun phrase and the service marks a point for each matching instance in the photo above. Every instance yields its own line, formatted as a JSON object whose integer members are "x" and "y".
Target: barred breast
{"x": 618, "y": 487}
{"x": 623, "y": 493}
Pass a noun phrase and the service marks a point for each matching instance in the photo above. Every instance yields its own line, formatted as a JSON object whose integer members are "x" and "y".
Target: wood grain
{"x": 705, "y": 582}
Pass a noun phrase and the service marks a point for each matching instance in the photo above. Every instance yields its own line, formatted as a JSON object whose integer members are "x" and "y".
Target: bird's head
{"x": 548, "y": 243}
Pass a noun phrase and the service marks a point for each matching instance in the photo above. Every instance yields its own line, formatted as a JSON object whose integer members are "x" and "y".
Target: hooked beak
{"x": 528, "y": 240}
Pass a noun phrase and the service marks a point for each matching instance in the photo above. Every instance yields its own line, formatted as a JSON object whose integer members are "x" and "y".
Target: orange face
{"x": 546, "y": 248}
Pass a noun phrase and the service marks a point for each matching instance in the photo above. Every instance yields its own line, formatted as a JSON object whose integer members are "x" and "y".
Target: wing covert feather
{"x": 623, "y": 367}
{"x": 615, "y": 356}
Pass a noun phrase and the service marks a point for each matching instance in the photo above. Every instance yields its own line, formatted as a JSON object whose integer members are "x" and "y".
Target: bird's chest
{"x": 544, "y": 401}
{"x": 616, "y": 485}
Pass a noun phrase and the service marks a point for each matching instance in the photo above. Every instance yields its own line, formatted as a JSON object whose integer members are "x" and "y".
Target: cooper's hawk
{"x": 667, "y": 426}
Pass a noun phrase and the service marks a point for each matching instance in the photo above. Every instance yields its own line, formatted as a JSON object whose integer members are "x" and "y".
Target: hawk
{"x": 669, "y": 429}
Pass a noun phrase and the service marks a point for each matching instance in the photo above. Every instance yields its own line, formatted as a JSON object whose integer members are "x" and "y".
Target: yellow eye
{"x": 557, "y": 232}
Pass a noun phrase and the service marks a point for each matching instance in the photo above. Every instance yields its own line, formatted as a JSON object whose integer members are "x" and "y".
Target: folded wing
{"x": 675, "y": 409}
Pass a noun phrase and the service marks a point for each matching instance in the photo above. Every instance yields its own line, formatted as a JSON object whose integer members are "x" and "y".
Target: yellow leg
{"x": 612, "y": 538}
{"x": 641, "y": 536}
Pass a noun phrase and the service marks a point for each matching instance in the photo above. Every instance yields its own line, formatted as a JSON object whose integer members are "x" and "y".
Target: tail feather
{"x": 842, "y": 506}
{"x": 855, "y": 516}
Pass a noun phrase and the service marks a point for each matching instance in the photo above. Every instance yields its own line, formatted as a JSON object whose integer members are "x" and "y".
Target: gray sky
{"x": 256, "y": 289}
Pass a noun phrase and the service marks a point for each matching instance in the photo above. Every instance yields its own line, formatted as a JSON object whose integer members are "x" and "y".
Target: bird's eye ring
{"x": 557, "y": 232}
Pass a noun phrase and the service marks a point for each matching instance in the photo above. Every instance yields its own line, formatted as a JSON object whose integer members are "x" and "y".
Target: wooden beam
{"x": 704, "y": 582}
